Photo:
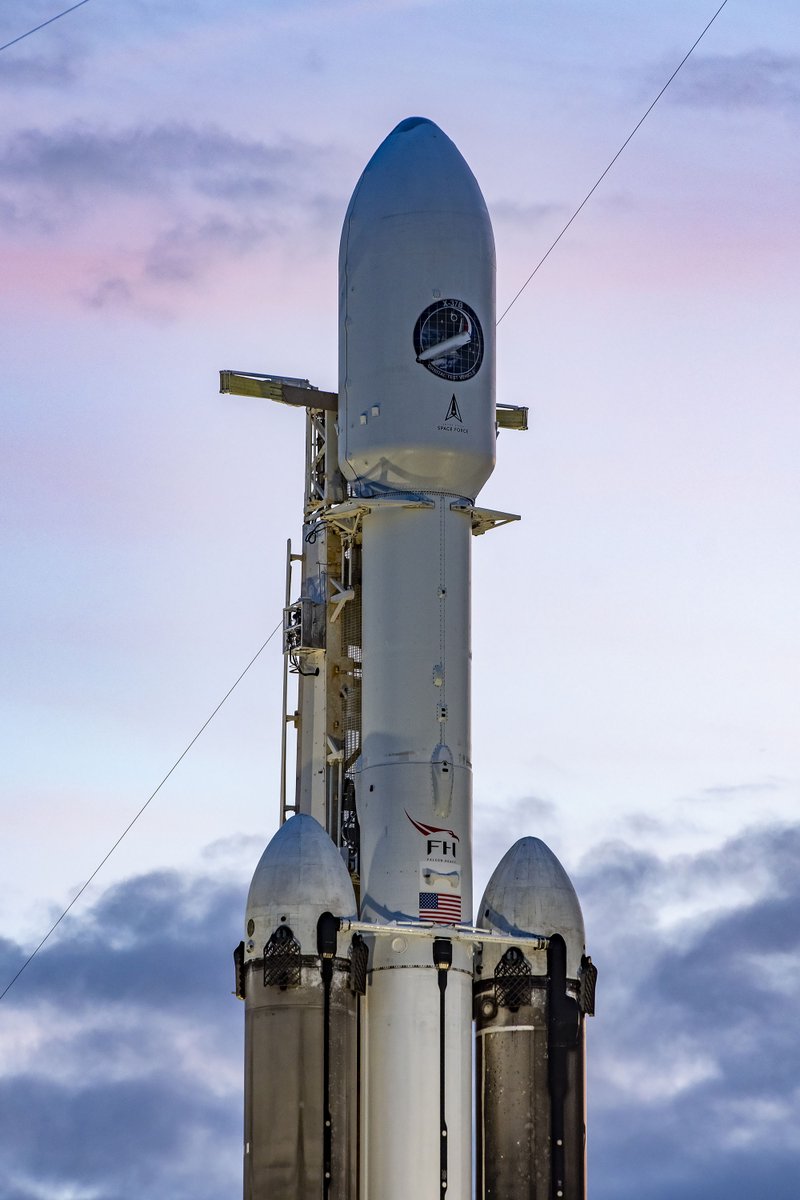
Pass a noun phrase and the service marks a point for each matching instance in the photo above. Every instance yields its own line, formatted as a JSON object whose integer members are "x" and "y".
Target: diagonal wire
{"x": 36, "y": 29}
{"x": 131, "y": 824}
{"x": 596, "y": 185}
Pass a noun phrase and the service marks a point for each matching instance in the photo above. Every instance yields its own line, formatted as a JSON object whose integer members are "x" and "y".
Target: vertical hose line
{"x": 359, "y": 960}
{"x": 358, "y": 1095}
{"x": 563, "y": 1028}
{"x": 328, "y": 927}
{"x": 443, "y": 958}
{"x": 442, "y": 978}
{"x": 327, "y": 1140}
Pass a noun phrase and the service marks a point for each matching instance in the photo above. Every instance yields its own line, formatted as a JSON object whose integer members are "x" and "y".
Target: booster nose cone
{"x": 417, "y": 317}
{"x": 300, "y": 1022}
{"x": 530, "y": 892}
{"x": 300, "y": 875}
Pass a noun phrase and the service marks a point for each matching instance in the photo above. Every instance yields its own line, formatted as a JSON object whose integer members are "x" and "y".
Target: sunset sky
{"x": 173, "y": 178}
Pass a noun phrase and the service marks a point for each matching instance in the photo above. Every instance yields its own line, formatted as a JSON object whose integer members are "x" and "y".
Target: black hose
{"x": 443, "y": 958}
{"x": 563, "y": 1028}
{"x": 327, "y": 928}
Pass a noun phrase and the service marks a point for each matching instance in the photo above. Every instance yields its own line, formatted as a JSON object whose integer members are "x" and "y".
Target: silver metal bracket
{"x": 470, "y": 934}
{"x": 484, "y": 519}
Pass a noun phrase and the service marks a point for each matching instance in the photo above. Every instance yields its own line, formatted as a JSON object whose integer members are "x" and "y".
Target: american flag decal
{"x": 439, "y": 909}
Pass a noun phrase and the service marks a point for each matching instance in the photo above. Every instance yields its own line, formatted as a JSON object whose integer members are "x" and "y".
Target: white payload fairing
{"x": 361, "y": 968}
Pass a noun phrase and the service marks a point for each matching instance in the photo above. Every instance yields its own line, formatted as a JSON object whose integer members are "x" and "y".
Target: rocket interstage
{"x": 361, "y": 966}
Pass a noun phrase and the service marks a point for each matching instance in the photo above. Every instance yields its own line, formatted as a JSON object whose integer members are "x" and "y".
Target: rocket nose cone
{"x": 417, "y": 169}
{"x": 530, "y": 892}
{"x": 411, "y": 123}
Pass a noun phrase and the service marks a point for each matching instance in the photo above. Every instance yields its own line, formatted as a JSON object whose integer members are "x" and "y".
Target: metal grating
{"x": 238, "y": 969}
{"x": 359, "y": 957}
{"x": 282, "y": 960}
{"x": 351, "y": 702}
{"x": 351, "y": 640}
{"x": 315, "y": 459}
{"x": 513, "y": 980}
{"x": 588, "y": 986}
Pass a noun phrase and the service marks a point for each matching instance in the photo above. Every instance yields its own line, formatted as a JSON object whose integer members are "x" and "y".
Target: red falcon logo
{"x": 427, "y": 830}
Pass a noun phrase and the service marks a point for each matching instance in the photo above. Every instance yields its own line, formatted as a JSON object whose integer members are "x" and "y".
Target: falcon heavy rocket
{"x": 362, "y": 972}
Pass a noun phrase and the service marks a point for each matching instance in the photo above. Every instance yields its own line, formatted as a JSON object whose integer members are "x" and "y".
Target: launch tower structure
{"x": 361, "y": 968}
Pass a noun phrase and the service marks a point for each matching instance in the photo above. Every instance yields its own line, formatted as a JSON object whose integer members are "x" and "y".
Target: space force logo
{"x": 448, "y": 340}
{"x": 453, "y": 421}
{"x": 454, "y": 412}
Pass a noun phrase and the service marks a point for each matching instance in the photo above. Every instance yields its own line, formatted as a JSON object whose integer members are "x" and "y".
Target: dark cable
{"x": 328, "y": 927}
{"x": 442, "y": 960}
{"x": 36, "y": 29}
{"x": 596, "y": 185}
{"x": 130, "y": 826}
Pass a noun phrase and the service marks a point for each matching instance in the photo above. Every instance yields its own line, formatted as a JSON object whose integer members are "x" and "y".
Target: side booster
{"x": 296, "y": 976}
{"x": 530, "y": 1006}
{"x": 361, "y": 967}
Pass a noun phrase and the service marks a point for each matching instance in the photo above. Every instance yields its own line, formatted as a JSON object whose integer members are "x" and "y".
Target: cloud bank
{"x": 121, "y": 1050}
{"x": 121, "y": 1046}
{"x": 755, "y": 79}
{"x": 694, "y": 1062}
{"x": 152, "y": 206}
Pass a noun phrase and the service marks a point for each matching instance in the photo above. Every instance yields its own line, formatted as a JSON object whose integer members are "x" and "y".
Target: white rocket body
{"x": 383, "y": 627}
{"x": 417, "y": 239}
